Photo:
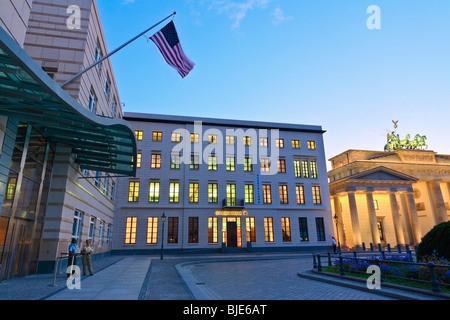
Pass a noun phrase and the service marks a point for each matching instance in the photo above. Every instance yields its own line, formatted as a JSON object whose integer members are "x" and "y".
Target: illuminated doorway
{"x": 232, "y": 232}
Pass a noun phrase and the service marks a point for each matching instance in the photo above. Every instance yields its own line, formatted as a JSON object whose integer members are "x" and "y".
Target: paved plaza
{"x": 201, "y": 277}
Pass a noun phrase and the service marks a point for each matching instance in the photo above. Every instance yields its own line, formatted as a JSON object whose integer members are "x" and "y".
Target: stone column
{"x": 372, "y": 218}
{"x": 437, "y": 200}
{"x": 355, "y": 219}
{"x": 414, "y": 219}
{"x": 396, "y": 217}
{"x": 340, "y": 225}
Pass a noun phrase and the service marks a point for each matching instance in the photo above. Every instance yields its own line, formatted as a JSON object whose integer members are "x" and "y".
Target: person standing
{"x": 72, "y": 259}
{"x": 86, "y": 255}
{"x": 333, "y": 242}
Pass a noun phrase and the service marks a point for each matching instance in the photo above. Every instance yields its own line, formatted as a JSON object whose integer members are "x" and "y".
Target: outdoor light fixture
{"x": 163, "y": 219}
{"x": 337, "y": 230}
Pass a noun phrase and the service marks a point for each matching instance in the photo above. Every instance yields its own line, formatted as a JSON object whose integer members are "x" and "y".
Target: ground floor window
{"x": 152, "y": 230}
{"x": 303, "y": 225}
{"x": 193, "y": 230}
{"x": 251, "y": 231}
{"x": 172, "y": 236}
{"x": 212, "y": 230}
{"x": 268, "y": 229}
{"x": 320, "y": 229}
{"x": 286, "y": 228}
{"x": 130, "y": 230}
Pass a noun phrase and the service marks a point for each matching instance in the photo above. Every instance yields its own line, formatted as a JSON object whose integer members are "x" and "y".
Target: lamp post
{"x": 163, "y": 219}
{"x": 337, "y": 230}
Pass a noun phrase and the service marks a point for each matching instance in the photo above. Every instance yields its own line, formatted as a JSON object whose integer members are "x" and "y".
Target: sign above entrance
{"x": 231, "y": 213}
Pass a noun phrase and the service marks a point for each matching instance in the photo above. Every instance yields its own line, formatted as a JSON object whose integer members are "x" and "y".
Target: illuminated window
{"x": 375, "y": 205}
{"x": 172, "y": 230}
{"x": 263, "y": 142}
{"x": 286, "y": 229}
{"x": 317, "y": 198}
{"x": 247, "y": 141}
{"x": 175, "y": 160}
{"x": 212, "y": 138}
{"x": 311, "y": 144}
{"x": 11, "y": 188}
{"x": 195, "y": 137}
{"x": 212, "y": 230}
{"x": 249, "y": 194}
{"x": 154, "y": 192}
{"x": 281, "y": 166}
{"x": 193, "y": 192}
{"x": 230, "y": 164}
{"x": 157, "y": 136}
{"x": 320, "y": 228}
{"x": 295, "y": 144}
{"x": 297, "y": 168}
{"x": 133, "y": 191}
{"x": 300, "y": 191}
{"x": 152, "y": 230}
{"x": 250, "y": 225}
{"x": 212, "y": 163}
{"x": 305, "y": 169}
{"x": 248, "y": 164}
{"x": 193, "y": 230}
{"x": 267, "y": 193}
{"x": 138, "y": 160}
{"x": 268, "y": 229}
{"x": 314, "y": 171}
{"x": 265, "y": 165}
{"x": 139, "y": 134}
{"x": 283, "y": 194}
{"x": 279, "y": 143}
{"x": 130, "y": 230}
{"x": 231, "y": 194}
{"x": 155, "y": 161}
{"x": 194, "y": 164}
{"x": 176, "y": 137}
{"x": 174, "y": 192}
{"x": 230, "y": 139}
{"x": 212, "y": 193}
{"x": 303, "y": 224}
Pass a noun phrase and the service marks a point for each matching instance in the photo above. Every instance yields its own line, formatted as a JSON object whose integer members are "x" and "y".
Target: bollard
{"x": 341, "y": 265}
{"x": 434, "y": 282}
{"x": 399, "y": 247}
{"x": 407, "y": 248}
{"x": 389, "y": 248}
{"x": 354, "y": 254}
{"x": 371, "y": 246}
{"x": 320, "y": 263}
{"x": 364, "y": 246}
{"x": 379, "y": 247}
{"x": 329, "y": 259}
{"x": 383, "y": 255}
{"x": 314, "y": 261}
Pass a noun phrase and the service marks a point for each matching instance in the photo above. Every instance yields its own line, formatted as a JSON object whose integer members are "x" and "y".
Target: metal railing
{"x": 344, "y": 260}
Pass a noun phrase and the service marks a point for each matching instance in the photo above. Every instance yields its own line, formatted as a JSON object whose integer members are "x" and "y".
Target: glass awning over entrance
{"x": 29, "y": 95}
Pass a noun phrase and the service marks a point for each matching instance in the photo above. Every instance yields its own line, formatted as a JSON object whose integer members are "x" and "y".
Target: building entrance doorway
{"x": 381, "y": 232}
{"x": 231, "y": 228}
{"x": 231, "y": 234}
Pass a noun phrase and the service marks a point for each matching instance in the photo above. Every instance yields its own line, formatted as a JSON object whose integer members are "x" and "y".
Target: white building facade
{"x": 223, "y": 185}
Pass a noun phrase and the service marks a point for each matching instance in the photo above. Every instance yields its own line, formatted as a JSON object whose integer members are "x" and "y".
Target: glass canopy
{"x": 29, "y": 95}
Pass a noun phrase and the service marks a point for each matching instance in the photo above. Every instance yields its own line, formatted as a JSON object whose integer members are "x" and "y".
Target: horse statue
{"x": 422, "y": 143}
{"x": 404, "y": 144}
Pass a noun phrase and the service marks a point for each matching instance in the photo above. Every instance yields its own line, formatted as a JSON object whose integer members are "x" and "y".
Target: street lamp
{"x": 337, "y": 230}
{"x": 163, "y": 219}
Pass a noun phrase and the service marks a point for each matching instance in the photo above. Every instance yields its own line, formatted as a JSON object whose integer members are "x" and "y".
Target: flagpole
{"x": 113, "y": 52}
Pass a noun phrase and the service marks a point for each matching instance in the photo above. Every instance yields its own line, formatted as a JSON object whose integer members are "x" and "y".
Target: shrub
{"x": 437, "y": 240}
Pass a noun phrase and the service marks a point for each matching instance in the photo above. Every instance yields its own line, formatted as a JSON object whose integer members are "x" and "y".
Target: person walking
{"x": 72, "y": 259}
{"x": 333, "y": 242}
{"x": 86, "y": 255}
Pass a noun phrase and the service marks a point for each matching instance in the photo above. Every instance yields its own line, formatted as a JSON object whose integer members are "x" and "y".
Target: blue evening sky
{"x": 296, "y": 61}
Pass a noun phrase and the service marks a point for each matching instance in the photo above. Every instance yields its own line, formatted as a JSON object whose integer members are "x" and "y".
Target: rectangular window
{"x": 193, "y": 230}
{"x": 311, "y": 144}
{"x": 249, "y": 194}
{"x": 212, "y": 230}
{"x": 295, "y": 144}
{"x": 152, "y": 230}
{"x": 195, "y": 137}
{"x": 77, "y": 224}
{"x": 193, "y": 192}
{"x": 251, "y": 233}
{"x": 172, "y": 230}
{"x": 231, "y": 194}
{"x": 317, "y": 198}
{"x": 92, "y": 225}
{"x": 175, "y": 137}
{"x": 130, "y": 230}
{"x": 155, "y": 161}
{"x": 230, "y": 164}
{"x": 107, "y": 87}
{"x": 248, "y": 164}
{"x": 11, "y": 188}
{"x": 279, "y": 143}
{"x": 247, "y": 141}
{"x": 263, "y": 142}
{"x": 297, "y": 168}
{"x": 175, "y": 160}
{"x": 286, "y": 228}
{"x": 139, "y": 134}
{"x": 194, "y": 164}
{"x": 157, "y": 136}
{"x": 314, "y": 171}
{"x": 305, "y": 168}
{"x": 212, "y": 163}
{"x": 320, "y": 227}
{"x": 281, "y": 166}
{"x": 92, "y": 102}
{"x": 133, "y": 191}
{"x": 212, "y": 138}
{"x": 153, "y": 195}
{"x": 174, "y": 192}
{"x": 268, "y": 229}
{"x": 283, "y": 194}
{"x": 300, "y": 191}
{"x": 230, "y": 139}
{"x": 265, "y": 165}
{"x": 303, "y": 225}
{"x": 267, "y": 193}
{"x": 139, "y": 160}
{"x": 212, "y": 193}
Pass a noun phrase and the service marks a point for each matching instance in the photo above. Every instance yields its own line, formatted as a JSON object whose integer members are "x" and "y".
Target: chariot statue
{"x": 395, "y": 143}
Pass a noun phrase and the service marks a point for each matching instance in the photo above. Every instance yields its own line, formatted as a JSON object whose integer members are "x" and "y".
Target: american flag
{"x": 168, "y": 43}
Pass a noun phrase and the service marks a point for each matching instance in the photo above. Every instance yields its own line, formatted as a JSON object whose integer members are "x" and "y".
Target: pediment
{"x": 382, "y": 173}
